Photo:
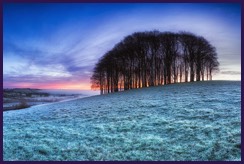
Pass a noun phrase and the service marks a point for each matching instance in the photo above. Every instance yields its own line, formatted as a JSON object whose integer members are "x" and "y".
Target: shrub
{"x": 22, "y": 104}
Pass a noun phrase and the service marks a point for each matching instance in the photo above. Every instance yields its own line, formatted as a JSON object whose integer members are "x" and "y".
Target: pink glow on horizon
{"x": 61, "y": 85}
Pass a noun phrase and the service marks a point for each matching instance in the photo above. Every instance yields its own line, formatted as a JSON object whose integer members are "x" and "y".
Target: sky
{"x": 56, "y": 46}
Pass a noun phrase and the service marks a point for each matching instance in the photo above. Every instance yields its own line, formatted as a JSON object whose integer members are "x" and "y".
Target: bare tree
{"x": 154, "y": 58}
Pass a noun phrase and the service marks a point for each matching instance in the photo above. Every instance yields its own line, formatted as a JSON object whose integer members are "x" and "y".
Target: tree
{"x": 154, "y": 58}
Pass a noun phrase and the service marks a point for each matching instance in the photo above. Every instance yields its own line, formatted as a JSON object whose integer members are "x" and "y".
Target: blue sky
{"x": 56, "y": 45}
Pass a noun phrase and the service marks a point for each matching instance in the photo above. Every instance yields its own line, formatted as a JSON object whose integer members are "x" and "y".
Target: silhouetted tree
{"x": 154, "y": 58}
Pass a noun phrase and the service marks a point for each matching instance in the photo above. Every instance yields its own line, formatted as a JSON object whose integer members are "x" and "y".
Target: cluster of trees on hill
{"x": 154, "y": 58}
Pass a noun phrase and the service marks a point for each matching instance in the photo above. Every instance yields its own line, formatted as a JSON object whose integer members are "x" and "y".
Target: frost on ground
{"x": 188, "y": 121}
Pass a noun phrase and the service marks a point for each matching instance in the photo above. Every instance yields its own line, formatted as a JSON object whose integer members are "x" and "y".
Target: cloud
{"x": 70, "y": 51}
{"x": 231, "y": 72}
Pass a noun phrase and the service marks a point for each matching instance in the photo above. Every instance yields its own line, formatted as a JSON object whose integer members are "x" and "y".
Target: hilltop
{"x": 187, "y": 121}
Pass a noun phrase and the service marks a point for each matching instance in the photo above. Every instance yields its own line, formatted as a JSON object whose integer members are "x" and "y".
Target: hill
{"x": 187, "y": 121}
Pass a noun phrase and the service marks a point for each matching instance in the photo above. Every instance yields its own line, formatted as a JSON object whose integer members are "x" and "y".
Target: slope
{"x": 187, "y": 121}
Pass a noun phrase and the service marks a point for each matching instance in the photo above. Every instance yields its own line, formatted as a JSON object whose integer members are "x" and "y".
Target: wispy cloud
{"x": 69, "y": 51}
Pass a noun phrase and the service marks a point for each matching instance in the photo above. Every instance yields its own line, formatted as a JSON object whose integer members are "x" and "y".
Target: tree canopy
{"x": 154, "y": 58}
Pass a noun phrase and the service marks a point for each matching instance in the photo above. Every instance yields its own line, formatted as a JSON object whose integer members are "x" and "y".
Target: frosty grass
{"x": 188, "y": 121}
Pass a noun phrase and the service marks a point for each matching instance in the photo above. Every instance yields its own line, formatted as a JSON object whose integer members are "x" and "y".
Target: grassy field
{"x": 198, "y": 121}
